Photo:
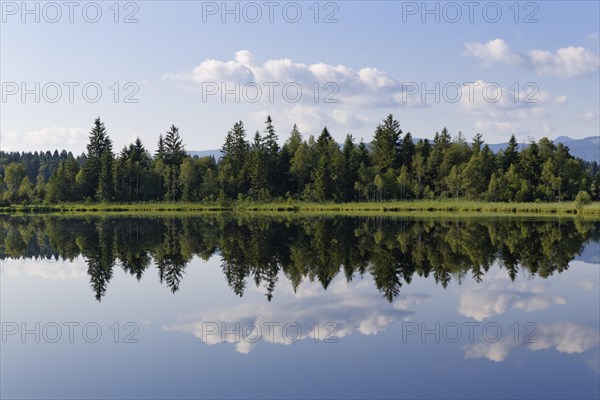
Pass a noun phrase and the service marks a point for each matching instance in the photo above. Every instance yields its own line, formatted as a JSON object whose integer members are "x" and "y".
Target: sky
{"x": 498, "y": 68}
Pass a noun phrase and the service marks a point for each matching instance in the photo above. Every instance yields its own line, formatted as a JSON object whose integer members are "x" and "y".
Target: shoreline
{"x": 392, "y": 208}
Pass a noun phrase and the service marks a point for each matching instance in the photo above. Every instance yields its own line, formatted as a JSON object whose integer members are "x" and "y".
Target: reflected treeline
{"x": 257, "y": 249}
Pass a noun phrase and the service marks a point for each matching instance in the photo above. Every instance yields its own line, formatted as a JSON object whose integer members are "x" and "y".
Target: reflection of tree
{"x": 168, "y": 256}
{"x": 97, "y": 248}
{"x": 130, "y": 242}
{"x": 257, "y": 249}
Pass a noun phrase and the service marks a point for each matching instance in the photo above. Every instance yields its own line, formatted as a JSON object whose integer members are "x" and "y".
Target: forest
{"x": 392, "y": 166}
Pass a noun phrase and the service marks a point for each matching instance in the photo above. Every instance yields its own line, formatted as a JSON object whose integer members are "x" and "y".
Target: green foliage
{"x": 95, "y": 180}
{"x": 62, "y": 186}
{"x": 390, "y": 167}
{"x": 14, "y": 174}
{"x": 583, "y": 198}
{"x": 386, "y": 156}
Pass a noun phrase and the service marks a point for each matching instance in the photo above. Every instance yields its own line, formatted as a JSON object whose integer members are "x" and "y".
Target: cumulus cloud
{"x": 56, "y": 137}
{"x": 565, "y": 62}
{"x": 320, "y": 83}
{"x": 494, "y": 51}
{"x": 497, "y": 351}
{"x": 560, "y": 99}
{"x": 46, "y": 269}
{"x": 495, "y": 127}
{"x": 498, "y": 294}
{"x": 311, "y": 119}
{"x": 349, "y": 311}
{"x": 564, "y": 337}
{"x": 493, "y": 100}
{"x": 500, "y": 108}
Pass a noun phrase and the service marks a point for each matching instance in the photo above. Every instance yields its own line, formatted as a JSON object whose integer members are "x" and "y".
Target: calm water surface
{"x": 225, "y": 307}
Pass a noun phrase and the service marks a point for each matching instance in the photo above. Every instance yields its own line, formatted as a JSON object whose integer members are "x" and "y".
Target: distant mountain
{"x": 587, "y": 149}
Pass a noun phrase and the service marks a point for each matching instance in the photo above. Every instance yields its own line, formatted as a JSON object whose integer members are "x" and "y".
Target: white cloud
{"x": 375, "y": 79}
{"x": 495, "y": 128}
{"x": 495, "y": 101}
{"x": 46, "y": 269}
{"x": 588, "y": 115}
{"x": 320, "y": 83}
{"x": 566, "y": 62}
{"x": 497, "y": 351}
{"x": 498, "y": 294}
{"x": 46, "y": 138}
{"x": 350, "y": 310}
{"x": 590, "y": 282}
{"x": 348, "y": 118}
{"x": 311, "y": 119}
{"x": 564, "y": 337}
{"x": 500, "y": 109}
{"x": 560, "y": 99}
{"x": 496, "y": 50}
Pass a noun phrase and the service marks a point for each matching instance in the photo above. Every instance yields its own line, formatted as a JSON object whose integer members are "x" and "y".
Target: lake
{"x": 226, "y": 306}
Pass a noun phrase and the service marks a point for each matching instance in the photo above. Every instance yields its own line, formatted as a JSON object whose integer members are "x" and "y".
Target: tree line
{"x": 392, "y": 166}
{"x": 263, "y": 250}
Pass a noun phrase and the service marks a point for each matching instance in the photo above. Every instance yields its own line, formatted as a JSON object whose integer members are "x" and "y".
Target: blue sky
{"x": 178, "y": 57}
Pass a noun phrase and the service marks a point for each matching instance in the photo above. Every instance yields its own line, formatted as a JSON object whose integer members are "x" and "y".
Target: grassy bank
{"x": 446, "y": 207}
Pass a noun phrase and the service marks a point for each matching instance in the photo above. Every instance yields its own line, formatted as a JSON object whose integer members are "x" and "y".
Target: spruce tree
{"x": 174, "y": 153}
{"x": 386, "y": 148}
{"x": 322, "y": 175}
{"x": 511, "y": 154}
{"x": 98, "y": 164}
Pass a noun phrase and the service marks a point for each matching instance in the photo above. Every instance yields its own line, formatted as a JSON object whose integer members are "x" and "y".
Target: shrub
{"x": 582, "y": 198}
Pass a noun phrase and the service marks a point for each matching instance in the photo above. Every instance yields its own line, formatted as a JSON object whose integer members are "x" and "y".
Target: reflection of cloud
{"x": 498, "y": 294}
{"x": 47, "y": 269}
{"x": 492, "y": 351}
{"x": 349, "y": 310}
{"x": 587, "y": 285}
{"x": 565, "y": 337}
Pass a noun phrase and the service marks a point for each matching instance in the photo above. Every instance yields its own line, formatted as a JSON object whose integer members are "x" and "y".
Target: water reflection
{"x": 387, "y": 293}
{"x": 304, "y": 315}
{"x": 262, "y": 250}
{"x": 565, "y": 337}
{"x": 309, "y": 315}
